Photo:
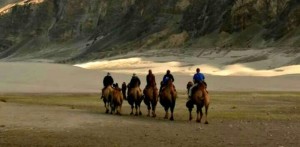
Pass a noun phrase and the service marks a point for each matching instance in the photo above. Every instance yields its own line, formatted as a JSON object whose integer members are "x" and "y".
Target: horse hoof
{"x": 131, "y": 113}
{"x": 198, "y": 121}
{"x": 140, "y": 113}
{"x": 154, "y": 115}
{"x": 171, "y": 119}
{"x": 106, "y": 111}
{"x": 206, "y": 122}
{"x": 136, "y": 114}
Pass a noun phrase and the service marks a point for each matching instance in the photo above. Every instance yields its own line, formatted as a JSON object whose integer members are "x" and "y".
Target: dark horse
{"x": 199, "y": 98}
{"x": 134, "y": 98}
{"x": 168, "y": 98}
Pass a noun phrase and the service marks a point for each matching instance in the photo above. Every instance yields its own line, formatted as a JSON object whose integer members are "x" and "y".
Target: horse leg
{"x": 206, "y": 110}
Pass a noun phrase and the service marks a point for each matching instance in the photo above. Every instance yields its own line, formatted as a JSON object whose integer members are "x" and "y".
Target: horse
{"x": 200, "y": 98}
{"x": 107, "y": 96}
{"x": 151, "y": 98}
{"x": 117, "y": 99}
{"x": 168, "y": 98}
{"x": 134, "y": 98}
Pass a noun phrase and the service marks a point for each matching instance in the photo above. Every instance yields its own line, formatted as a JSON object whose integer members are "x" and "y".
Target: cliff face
{"x": 76, "y": 30}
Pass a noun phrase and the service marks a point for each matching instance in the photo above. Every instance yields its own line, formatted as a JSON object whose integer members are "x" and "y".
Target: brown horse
{"x": 107, "y": 96}
{"x": 117, "y": 100}
{"x": 168, "y": 98}
{"x": 151, "y": 98}
{"x": 199, "y": 98}
{"x": 134, "y": 98}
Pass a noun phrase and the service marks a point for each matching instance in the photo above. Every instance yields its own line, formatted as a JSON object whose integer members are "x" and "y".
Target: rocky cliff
{"x": 80, "y": 30}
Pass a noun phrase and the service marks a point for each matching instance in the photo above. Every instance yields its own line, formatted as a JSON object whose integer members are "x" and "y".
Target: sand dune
{"x": 22, "y": 77}
{"x": 140, "y": 65}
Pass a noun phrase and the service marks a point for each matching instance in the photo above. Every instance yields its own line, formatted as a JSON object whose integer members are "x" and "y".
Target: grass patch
{"x": 224, "y": 105}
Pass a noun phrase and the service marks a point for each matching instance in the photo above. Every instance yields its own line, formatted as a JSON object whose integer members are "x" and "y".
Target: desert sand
{"x": 28, "y": 77}
{"x": 236, "y": 119}
{"x": 33, "y": 113}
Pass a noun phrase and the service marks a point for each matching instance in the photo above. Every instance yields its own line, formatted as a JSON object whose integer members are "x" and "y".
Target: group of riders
{"x": 198, "y": 95}
{"x": 151, "y": 82}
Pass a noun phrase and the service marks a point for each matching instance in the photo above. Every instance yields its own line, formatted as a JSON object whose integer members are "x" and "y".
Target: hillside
{"x": 69, "y": 31}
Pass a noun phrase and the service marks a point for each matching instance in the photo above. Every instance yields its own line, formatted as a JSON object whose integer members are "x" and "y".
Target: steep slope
{"x": 79, "y": 30}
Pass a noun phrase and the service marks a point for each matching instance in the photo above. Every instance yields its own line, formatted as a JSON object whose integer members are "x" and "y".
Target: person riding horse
{"x": 197, "y": 79}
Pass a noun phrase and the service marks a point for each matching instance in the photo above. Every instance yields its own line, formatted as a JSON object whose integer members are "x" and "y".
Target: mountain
{"x": 69, "y": 31}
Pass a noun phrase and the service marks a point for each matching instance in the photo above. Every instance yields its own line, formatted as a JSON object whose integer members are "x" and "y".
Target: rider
{"x": 134, "y": 79}
{"x": 150, "y": 79}
{"x": 166, "y": 77}
{"x": 198, "y": 78}
{"x": 108, "y": 80}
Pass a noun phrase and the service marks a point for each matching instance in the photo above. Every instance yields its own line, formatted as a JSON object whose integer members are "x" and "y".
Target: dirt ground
{"x": 236, "y": 119}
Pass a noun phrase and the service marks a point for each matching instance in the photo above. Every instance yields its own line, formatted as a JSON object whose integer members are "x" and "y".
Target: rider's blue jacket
{"x": 199, "y": 77}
